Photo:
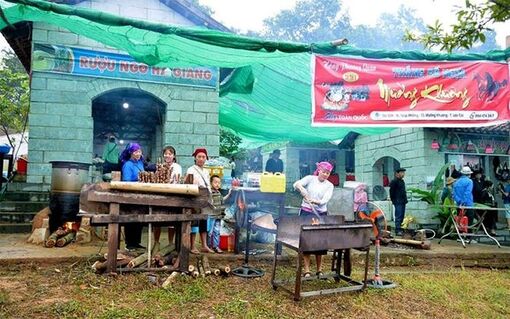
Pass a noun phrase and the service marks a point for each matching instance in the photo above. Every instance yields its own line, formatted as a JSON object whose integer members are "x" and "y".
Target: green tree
{"x": 314, "y": 21}
{"x": 474, "y": 20}
{"x": 14, "y": 96}
{"x": 309, "y": 21}
{"x": 229, "y": 143}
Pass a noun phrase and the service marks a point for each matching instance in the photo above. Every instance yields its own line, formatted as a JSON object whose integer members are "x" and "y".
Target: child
{"x": 219, "y": 211}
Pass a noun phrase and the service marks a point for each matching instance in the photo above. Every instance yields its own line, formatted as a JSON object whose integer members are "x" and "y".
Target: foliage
{"x": 312, "y": 21}
{"x": 229, "y": 143}
{"x": 309, "y": 21}
{"x": 433, "y": 196}
{"x": 205, "y": 9}
{"x": 14, "y": 96}
{"x": 472, "y": 26}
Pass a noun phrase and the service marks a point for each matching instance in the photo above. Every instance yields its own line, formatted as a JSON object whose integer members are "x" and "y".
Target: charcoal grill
{"x": 297, "y": 233}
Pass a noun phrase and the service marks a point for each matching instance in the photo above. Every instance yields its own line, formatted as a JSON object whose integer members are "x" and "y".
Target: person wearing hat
{"x": 448, "y": 190}
{"x": 201, "y": 178}
{"x": 463, "y": 192}
{"x": 274, "y": 163}
{"x": 398, "y": 197}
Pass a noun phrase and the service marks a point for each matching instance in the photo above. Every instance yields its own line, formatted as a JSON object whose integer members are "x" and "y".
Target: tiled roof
{"x": 501, "y": 129}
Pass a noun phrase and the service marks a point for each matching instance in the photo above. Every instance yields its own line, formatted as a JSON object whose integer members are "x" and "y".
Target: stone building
{"x": 82, "y": 92}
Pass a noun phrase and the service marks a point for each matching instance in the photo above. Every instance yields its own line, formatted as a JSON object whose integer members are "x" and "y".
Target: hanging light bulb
{"x": 435, "y": 145}
{"x": 125, "y": 105}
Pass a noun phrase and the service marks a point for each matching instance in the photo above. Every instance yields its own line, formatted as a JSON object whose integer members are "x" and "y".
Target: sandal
{"x": 218, "y": 250}
{"x": 307, "y": 274}
{"x": 195, "y": 251}
{"x": 207, "y": 250}
{"x": 319, "y": 274}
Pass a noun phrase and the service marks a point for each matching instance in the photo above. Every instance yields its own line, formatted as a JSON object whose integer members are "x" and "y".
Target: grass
{"x": 75, "y": 292}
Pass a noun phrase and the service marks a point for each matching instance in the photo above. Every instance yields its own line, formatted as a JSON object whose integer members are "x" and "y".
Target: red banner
{"x": 364, "y": 92}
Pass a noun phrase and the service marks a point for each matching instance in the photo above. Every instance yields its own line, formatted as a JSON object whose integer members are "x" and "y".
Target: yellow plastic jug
{"x": 272, "y": 183}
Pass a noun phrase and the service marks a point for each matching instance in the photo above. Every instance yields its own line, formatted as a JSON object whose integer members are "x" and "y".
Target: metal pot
{"x": 68, "y": 177}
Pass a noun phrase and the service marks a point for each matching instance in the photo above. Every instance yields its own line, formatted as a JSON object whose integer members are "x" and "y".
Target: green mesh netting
{"x": 268, "y": 98}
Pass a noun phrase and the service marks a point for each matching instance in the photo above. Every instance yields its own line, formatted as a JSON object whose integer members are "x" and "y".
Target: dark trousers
{"x": 400, "y": 212}
{"x": 133, "y": 234}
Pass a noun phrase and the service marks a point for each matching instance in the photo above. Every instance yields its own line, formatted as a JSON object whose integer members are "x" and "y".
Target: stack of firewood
{"x": 162, "y": 175}
{"x": 60, "y": 237}
{"x": 200, "y": 268}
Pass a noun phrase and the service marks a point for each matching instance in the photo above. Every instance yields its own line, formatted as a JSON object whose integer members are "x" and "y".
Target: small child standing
{"x": 219, "y": 211}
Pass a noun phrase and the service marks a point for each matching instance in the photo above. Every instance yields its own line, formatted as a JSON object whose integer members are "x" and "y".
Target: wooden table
{"x": 134, "y": 207}
{"x": 251, "y": 195}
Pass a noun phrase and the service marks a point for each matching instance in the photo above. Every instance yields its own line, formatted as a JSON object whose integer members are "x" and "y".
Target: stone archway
{"x": 131, "y": 115}
{"x": 382, "y": 170}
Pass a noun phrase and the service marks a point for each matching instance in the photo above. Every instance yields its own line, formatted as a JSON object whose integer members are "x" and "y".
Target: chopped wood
{"x": 62, "y": 241}
{"x": 225, "y": 270}
{"x": 195, "y": 274}
{"x": 216, "y": 272}
{"x": 207, "y": 267}
{"x": 143, "y": 257}
{"x": 170, "y": 279}
{"x": 51, "y": 241}
{"x": 191, "y": 268}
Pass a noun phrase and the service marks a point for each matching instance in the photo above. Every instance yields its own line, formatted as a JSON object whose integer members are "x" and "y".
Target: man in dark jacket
{"x": 398, "y": 197}
{"x": 274, "y": 164}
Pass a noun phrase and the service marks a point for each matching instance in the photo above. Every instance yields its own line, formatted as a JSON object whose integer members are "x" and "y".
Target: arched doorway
{"x": 383, "y": 169}
{"x": 131, "y": 115}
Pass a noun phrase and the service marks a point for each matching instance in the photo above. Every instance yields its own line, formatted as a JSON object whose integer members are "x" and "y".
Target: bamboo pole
{"x": 156, "y": 188}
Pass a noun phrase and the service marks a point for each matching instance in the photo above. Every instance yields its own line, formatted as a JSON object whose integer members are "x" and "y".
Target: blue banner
{"x": 61, "y": 59}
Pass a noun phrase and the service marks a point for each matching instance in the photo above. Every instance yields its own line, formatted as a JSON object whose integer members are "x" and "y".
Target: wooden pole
{"x": 156, "y": 188}
{"x": 113, "y": 240}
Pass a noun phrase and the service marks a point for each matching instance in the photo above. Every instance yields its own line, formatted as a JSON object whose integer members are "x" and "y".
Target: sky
{"x": 249, "y": 14}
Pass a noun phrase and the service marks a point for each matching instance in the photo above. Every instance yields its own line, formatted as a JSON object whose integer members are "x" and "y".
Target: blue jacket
{"x": 463, "y": 191}
{"x": 130, "y": 170}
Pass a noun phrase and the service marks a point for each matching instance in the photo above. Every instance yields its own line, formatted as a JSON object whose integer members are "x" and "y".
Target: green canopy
{"x": 267, "y": 98}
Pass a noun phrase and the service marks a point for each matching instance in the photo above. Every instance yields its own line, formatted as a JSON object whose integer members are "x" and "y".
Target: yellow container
{"x": 215, "y": 170}
{"x": 272, "y": 183}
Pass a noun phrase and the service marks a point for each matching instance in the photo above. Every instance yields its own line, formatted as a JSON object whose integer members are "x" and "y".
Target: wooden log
{"x": 195, "y": 274}
{"x": 143, "y": 257}
{"x": 225, "y": 270}
{"x": 51, "y": 241}
{"x": 64, "y": 240}
{"x": 170, "y": 279}
{"x": 200, "y": 265}
{"x": 138, "y": 198}
{"x": 207, "y": 267}
{"x": 216, "y": 272}
{"x": 191, "y": 268}
{"x": 104, "y": 219}
{"x": 415, "y": 243}
{"x": 156, "y": 188}
{"x": 99, "y": 266}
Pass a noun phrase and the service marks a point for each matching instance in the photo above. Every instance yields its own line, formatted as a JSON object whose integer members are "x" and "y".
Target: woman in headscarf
{"x": 316, "y": 191}
{"x": 201, "y": 178}
{"x": 132, "y": 163}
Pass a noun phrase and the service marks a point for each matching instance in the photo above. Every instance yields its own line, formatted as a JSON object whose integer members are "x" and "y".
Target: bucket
{"x": 21, "y": 165}
{"x": 227, "y": 242}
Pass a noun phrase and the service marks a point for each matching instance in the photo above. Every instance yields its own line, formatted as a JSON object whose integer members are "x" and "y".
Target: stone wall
{"x": 409, "y": 146}
{"x": 60, "y": 118}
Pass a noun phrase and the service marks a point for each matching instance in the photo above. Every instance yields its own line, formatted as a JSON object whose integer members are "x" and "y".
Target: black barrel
{"x": 67, "y": 178}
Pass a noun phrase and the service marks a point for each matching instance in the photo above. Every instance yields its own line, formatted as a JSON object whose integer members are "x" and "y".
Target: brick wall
{"x": 60, "y": 118}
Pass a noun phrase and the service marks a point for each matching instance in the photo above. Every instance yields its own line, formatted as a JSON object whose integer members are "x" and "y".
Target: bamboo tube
{"x": 62, "y": 241}
{"x": 191, "y": 268}
{"x": 170, "y": 279}
{"x": 216, "y": 272}
{"x": 207, "y": 267}
{"x": 225, "y": 270}
{"x": 156, "y": 188}
{"x": 51, "y": 241}
{"x": 143, "y": 257}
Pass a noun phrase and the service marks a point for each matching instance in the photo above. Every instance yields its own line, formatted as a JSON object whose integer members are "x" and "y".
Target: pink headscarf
{"x": 323, "y": 165}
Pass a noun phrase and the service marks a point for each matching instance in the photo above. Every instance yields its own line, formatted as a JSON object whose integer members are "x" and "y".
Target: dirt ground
{"x": 72, "y": 290}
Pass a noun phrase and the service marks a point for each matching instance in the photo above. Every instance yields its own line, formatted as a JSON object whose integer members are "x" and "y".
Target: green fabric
{"x": 111, "y": 153}
{"x": 268, "y": 98}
